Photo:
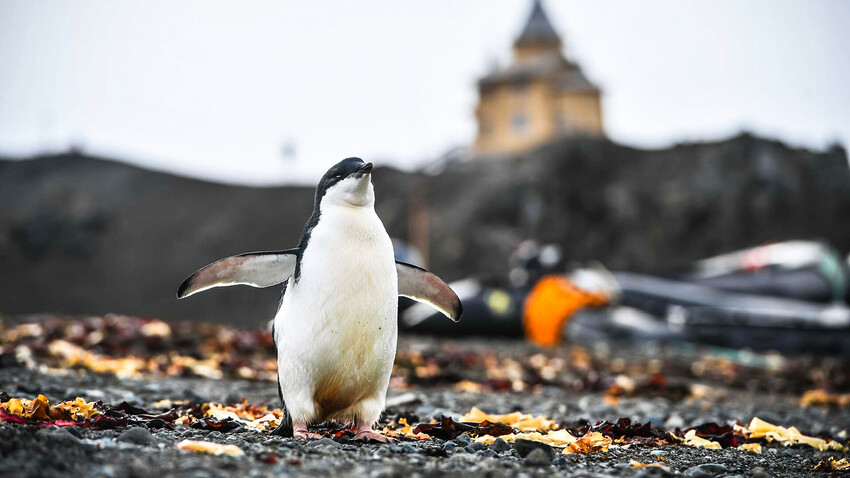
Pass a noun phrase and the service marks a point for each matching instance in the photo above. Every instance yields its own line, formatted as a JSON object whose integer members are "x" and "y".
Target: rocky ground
{"x": 434, "y": 378}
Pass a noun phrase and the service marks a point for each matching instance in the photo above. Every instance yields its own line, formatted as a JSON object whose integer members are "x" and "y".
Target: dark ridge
{"x": 80, "y": 235}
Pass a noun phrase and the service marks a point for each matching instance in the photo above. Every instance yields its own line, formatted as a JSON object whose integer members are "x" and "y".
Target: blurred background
{"x": 602, "y": 170}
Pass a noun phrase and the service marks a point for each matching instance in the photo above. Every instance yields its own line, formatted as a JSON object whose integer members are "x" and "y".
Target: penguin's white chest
{"x": 337, "y": 326}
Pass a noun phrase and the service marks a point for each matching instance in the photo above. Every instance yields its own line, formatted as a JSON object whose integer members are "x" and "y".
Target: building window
{"x": 520, "y": 123}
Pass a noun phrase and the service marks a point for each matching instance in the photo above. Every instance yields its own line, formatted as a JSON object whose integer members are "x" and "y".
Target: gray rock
{"x": 192, "y": 396}
{"x": 409, "y": 449}
{"x": 758, "y": 472}
{"x": 62, "y": 435}
{"x": 525, "y": 447}
{"x": 464, "y": 440}
{"x": 233, "y": 396}
{"x": 706, "y": 470}
{"x": 500, "y": 446}
{"x": 674, "y": 421}
{"x": 537, "y": 457}
{"x": 325, "y": 442}
{"x": 137, "y": 436}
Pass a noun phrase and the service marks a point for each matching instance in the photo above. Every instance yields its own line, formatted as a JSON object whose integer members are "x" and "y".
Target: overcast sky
{"x": 219, "y": 89}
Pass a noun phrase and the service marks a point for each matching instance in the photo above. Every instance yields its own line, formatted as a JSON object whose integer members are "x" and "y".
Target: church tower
{"x": 541, "y": 95}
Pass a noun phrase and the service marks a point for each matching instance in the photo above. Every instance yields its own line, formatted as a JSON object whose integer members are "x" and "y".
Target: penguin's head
{"x": 347, "y": 183}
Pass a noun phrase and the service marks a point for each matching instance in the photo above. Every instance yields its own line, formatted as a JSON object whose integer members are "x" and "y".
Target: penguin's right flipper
{"x": 256, "y": 269}
{"x": 422, "y": 286}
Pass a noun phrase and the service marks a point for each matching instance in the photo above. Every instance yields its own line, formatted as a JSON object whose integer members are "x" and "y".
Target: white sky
{"x": 216, "y": 89}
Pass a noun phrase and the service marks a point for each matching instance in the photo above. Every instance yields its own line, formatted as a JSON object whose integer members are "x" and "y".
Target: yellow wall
{"x": 583, "y": 113}
{"x": 548, "y": 115}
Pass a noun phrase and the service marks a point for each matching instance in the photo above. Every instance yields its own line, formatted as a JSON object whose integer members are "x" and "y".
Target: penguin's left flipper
{"x": 256, "y": 269}
{"x": 423, "y": 286}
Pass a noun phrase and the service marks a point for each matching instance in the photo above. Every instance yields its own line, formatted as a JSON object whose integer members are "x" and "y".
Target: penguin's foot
{"x": 299, "y": 430}
{"x": 365, "y": 433}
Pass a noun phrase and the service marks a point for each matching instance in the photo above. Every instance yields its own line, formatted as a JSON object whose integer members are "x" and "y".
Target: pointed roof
{"x": 538, "y": 30}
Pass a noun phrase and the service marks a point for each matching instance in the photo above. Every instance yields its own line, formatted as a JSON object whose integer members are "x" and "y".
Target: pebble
{"x": 325, "y": 442}
{"x": 525, "y": 447}
{"x": 500, "y": 446}
{"x": 537, "y": 457}
{"x": 758, "y": 472}
{"x": 192, "y": 396}
{"x": 469, "y": 449}
{"x": 60, "y": 434}
{"x": 706, "y": 470}
{"x": 674, "y": 421}
{"x": 137, "y": 436}
{"x": 464, "y": 440}
{"x": 408, "y": 448}
{"x": 449, "y": 446}
{"x": 233, "y": 396}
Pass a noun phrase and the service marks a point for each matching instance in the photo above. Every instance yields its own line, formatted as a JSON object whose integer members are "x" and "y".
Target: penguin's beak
{"x": 363, "y": 170}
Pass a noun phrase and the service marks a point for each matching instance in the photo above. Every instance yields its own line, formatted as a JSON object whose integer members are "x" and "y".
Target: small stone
{"x": 657, "y": 453}
{"x": 469, "y": 449}
{"x": 560, "y": 461}
{"x": 326, "y": 442}
{"x": 449, "y": 446}
{"x": 233, "y": 396}
{"x": 478, "y": 446}
{"x": 706, "y": 470}
{"x": 60, "y": 434}
{"x": 489, "y": 453}
{"x": 525, "y": 447}
{"x": 137, "y": 436}
{"x": 537, "y": 457}
{"x": 674, "y": 421}
{"x": 192, "y": 396}
{"x": 409, "y": 449}
{"x": 464, "y": 440}
{"x": 395, "y": 448}
{"x": 758, "y": 472}
{"x": 500, "y": 446}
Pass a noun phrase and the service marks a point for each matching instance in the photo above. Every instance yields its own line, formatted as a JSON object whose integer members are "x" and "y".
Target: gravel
{"x": 50, "y": 451}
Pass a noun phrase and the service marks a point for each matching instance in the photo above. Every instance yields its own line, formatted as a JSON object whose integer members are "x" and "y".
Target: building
{"x": 539, "y": 96}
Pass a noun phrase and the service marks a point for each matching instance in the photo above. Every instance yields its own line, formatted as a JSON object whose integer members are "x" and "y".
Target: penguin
{"x": 336, "y": 326}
